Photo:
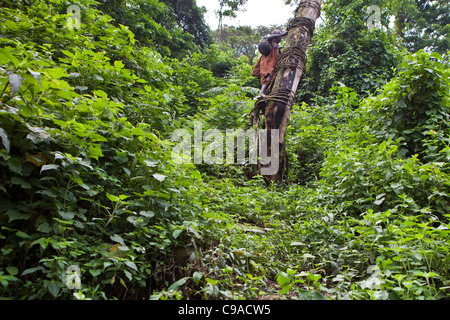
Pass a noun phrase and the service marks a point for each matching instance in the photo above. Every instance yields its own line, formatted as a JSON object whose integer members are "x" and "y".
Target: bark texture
{"x": 280, "y": 98}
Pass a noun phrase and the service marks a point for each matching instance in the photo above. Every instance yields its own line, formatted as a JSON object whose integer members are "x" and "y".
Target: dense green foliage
{"x": 87, "y": 178}
{"x": 173, "y": 28}
{"x": 422, "y": 24}
{"x": 346, "y": 51}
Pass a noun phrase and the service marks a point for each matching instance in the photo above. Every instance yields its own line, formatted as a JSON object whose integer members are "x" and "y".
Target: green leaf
{"x": 197, "y": 276}
{"x": 156, "y": 296}
{"x": 26, "y": 111}
{"x": 53, "y": 288}
{"x": 6, "y": 56}
{"x": 151, "y": 163}
{"x": 393, "y": 295}
{"x": 128, "y": 275}
{"x": 417, "y": 255}
{"x": 159, "y": 177}
{"x": 132, "y": 265}
{"x": 4, "y": 279}
{"x": 22, "y": 235}
{"x": 32, "y": 270}
{"x": 81, "y": 88}
{"x": 56, "y": 73}
{"x": 37, "y": 134}
{"x": 147, "y": 214}
{"x": 305, "y": 295}
{"x": 95, "y": 151}
{"x": 49, "y": 167}
{"x": 44, "y": 227}
{"x": 118, "y": 239}
{"x": 43, "y": 242}
{"x": 140, "y": 132}
{"x": 15, "y": 165}
{"x": 98, "y": 138}
{"x": 67, "y": 215}
{"x": 119, "y": 64}
{"x": 48, "y": 193}
{"x": 314, "y": 277}
{"x": 196, "y": 175}
{"x": 12, "y": 270}
{"x": 100, "y": 93}
{"x": 383, "y": 146}
{"x": 167, "y": 97}
{"x": 16, "y": 215}
{"x": 283, "y": 278}
{"x": 36, "y": 75}
{"x": 134, "y": 220}
{"x": 177, "y": 233}
{"x": 19, "y": 181}
{"x": 95, "y": 273}
{"x": 178, "y": 284}
{"x": 113, "y": 198}
{"x": 67, "y": 53}
{"x": 212, "y": 281}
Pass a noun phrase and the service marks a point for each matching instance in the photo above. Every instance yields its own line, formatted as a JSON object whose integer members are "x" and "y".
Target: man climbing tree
{"x": 281, "y": 91}
{"x": 265, "y": 67}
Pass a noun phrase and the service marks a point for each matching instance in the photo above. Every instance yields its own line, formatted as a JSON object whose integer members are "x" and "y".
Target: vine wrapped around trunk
{"x": 280, "y": 98}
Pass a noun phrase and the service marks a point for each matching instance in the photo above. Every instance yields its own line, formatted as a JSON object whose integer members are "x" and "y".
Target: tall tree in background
{"x": 291, "y": 65}
{"x": 165, "y": 25}
{"x": 346, "y": 50}
{"x": 228, "y": 8}
{"x": 422, "y": 24}
{"x": 191, "y": 19}
{"x": 243, "y": 40}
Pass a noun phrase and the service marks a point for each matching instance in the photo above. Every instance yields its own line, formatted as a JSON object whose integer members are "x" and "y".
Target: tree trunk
{"x": 281, "y": 92}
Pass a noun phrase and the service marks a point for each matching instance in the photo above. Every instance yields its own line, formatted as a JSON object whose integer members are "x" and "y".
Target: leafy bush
{"x": 93, "y": 207}
{"x": 155, "y": 24}
{"x": 415, "y": 105}
{"x": 85, "y": 179}
{"x": 365, "y": 168}
{"x": 346, "y": 51}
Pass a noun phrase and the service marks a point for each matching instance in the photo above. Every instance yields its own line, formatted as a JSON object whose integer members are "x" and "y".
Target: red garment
{"x": 266, "y": 66}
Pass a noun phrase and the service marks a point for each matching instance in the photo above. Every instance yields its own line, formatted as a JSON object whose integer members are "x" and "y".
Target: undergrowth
{"x": 92, "y": 205}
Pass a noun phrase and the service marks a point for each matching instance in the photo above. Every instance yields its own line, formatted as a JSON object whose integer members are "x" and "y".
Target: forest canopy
{"x": 93, "y": 205}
